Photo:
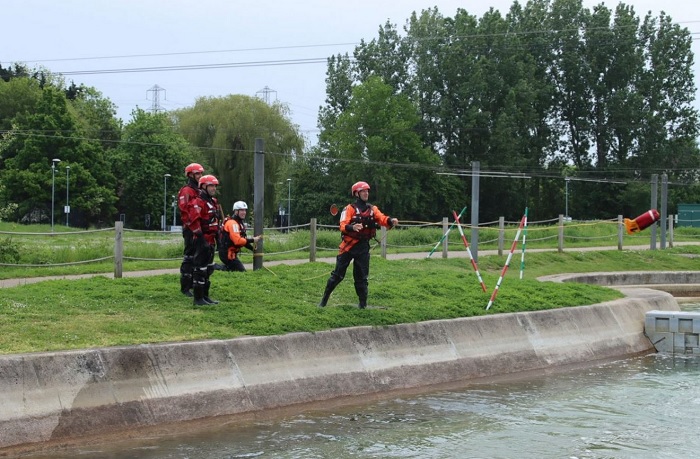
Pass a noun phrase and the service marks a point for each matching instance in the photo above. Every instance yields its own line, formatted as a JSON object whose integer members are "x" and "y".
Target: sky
{"x": 91, "y": 35}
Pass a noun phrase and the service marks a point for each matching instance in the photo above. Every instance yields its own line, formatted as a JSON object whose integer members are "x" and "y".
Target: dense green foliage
{"x": 545, "y": 91}
{"x": 549, "y": 90}
{"x": 150, "y": 148}
{"x": 50, "y": 132}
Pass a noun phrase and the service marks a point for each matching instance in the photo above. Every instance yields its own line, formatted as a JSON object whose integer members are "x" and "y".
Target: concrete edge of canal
{"x": 59, "y": 396}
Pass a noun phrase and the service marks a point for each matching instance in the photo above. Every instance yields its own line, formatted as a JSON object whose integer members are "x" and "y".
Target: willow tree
{"x": 225, "y": 129}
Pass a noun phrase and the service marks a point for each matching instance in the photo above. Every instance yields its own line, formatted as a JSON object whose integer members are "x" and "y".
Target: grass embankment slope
{"x": 97, "y": 312}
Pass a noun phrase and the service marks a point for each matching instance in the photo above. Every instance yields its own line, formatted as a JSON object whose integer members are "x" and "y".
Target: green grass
{"x": 97, "y": 312}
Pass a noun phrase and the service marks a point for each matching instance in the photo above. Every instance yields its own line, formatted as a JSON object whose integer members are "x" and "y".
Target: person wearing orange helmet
{"x": 185, "y": 198}
{"x": 358, "y": 225}
{"x": 204, "y": 220}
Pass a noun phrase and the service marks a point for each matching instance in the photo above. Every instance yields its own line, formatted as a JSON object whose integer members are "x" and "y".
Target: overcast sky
{"x": 87, "y": 35}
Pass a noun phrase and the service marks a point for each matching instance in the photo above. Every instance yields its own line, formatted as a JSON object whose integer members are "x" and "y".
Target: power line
{"x": 442, "y": 169}
{"x": 452, "y": 39}
{"x": 322, "y": 45}
{"x": 316, "y": 60}
{"x": 186, "y": 53}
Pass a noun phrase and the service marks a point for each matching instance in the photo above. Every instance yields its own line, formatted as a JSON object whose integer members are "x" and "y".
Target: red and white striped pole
{"x": 505, "y": 268}
{"x": 469, "y": 252}
{"x": 522, "y": 257}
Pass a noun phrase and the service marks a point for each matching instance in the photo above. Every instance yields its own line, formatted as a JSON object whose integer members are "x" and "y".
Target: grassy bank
{"x": 96, "y": 312}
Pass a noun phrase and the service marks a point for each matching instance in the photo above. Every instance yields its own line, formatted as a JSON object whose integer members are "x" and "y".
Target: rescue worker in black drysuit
{"x": 205, "y": 218}
{"x": 358, "y": 225}
{"x": 185, "y": 198}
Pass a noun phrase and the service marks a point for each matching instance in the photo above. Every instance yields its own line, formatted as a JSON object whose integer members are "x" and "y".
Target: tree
{"x": 96, "y": 115}
{"x": 225, "y": 129}
{"x": 18, "y": 95}
{"x": 375, "y": 140}
{"x": 339, "y": 82}
{"x": 49, "y": 132}
{"x": 669, "y": 124}
{"x": 150, "y": 148}
{"x": 551, "y": 85}
{"x": 19, "y": 71}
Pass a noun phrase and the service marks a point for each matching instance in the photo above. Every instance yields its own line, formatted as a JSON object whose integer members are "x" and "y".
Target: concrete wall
{"x": 674, "y": 332}
{"x": 677, "y": 283}
{"x": 64, "y": 395}
{"x": 646, "y": 278}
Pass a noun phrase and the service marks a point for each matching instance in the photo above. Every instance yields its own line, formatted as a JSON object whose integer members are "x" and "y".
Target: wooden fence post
{"x": 620, "y": 233}
{"x": 560, "y": 243}
{"x": 501, "y": 234}
{"x": 445, "y": 242}
{"x": 383, "y": 242}
{"x": 312, "y": 242}
{"x": 118, "y": 249}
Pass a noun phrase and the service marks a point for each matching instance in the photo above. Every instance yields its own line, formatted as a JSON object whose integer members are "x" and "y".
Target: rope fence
{"x": 312, "y": 237}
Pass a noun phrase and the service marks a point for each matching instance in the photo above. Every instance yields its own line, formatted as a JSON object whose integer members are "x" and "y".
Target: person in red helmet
{"x": 185, "y": 198}
{"x": 358, "y": 225}
{"x": 204, "y": 221}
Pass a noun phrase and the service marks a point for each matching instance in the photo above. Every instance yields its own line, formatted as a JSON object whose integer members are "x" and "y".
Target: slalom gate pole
{"x": 505, "y": 268}
{"x": 469, "y": 252}
{"x": 446, "y": 233}
{"x": 522, "y": 257}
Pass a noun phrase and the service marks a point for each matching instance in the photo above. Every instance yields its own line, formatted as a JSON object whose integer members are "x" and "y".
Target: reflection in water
{"x": 642, "y": 407}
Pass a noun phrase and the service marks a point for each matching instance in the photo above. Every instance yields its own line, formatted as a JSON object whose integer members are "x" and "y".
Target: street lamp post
{"x": 289, "y": 203}
{"x": 53, "y": 186}
{"x": 165, "y": 197}
{"x": 67, "y": 209}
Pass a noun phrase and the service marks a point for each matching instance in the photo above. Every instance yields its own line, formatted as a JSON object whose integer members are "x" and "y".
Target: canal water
{"x": 642, "y": 407}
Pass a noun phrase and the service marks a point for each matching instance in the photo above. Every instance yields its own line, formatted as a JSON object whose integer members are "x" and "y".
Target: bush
{"x": 9, "y": 251}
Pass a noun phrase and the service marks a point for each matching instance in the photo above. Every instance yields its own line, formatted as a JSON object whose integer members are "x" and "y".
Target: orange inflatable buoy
{"x": 642, "y": 222}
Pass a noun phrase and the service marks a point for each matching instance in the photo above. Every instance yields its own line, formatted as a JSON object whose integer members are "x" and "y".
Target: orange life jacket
{"x": 352, "y": 215}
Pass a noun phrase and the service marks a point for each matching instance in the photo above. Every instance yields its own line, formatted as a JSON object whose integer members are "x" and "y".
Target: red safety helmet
{"x": 193, "y": 168}
{"x": 359, "y": 186}
{"x": 208, "y": 180}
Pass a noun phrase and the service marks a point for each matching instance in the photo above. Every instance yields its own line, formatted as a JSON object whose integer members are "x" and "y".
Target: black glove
{"x": 249, "y": 241}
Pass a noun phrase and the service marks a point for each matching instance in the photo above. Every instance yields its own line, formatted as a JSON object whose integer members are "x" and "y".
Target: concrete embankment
{"x": 678, "y": 283}
{"x": 47, "y": 397}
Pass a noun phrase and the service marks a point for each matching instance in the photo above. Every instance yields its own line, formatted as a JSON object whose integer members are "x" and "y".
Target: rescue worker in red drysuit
{"x": 358, "y": 225}
{"x": 185, "y": 198}
{"x": 236, "y": 229}
{"x": 204, "y": 220}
